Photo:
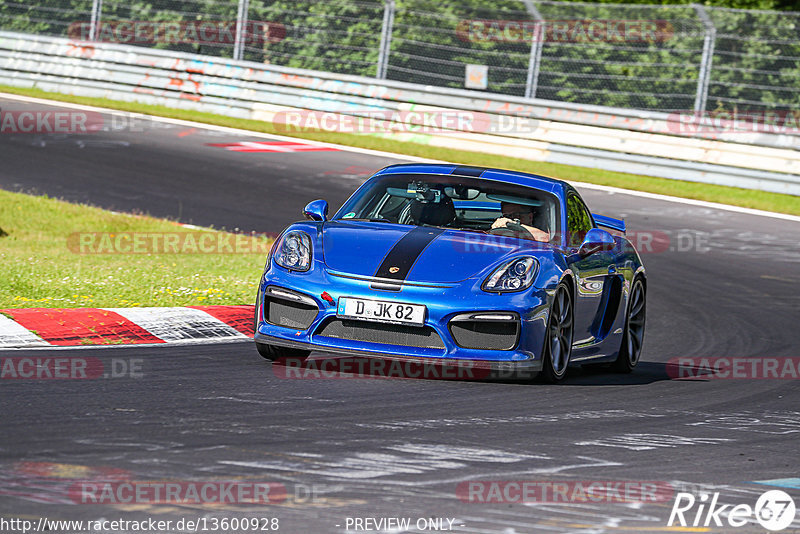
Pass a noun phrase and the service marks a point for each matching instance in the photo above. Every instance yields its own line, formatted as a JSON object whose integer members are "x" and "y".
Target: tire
{"x": 557, "y": 348}
{"x": 631, "y": 347}
{"x": 272, "y": 353}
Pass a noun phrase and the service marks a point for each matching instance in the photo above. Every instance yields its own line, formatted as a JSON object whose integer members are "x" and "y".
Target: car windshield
{"x": 456, "y": 202}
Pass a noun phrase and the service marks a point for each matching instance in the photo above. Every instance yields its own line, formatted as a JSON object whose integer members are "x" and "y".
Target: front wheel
{"x": 272, "y": 353}
{"x": 631, "y": 347}
{"x": 558, "y": 340}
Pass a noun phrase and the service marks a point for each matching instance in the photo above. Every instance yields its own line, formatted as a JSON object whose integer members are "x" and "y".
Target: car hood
{"x": 436, "y": 255}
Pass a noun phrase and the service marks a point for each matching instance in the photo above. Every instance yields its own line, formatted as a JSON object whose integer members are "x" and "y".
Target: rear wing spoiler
{"x": 609, "y": 222}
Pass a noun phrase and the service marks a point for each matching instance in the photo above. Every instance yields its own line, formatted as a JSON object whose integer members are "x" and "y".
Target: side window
{"x": 579, "y": 221}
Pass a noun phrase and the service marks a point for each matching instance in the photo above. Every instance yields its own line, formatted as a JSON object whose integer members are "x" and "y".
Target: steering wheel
{"x": 507, "y": 232}
{"x": 511, "y": 229}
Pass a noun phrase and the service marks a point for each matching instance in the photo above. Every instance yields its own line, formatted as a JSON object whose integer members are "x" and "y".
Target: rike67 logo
{"x": 774, "y": 510}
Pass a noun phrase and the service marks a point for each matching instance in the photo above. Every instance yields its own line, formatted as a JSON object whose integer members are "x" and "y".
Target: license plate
{"x": 380, "y": 310}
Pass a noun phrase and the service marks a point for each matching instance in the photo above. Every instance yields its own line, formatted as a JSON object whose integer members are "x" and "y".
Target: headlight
{"x": 514, "y": 275}
{"x": 293, "y": 252}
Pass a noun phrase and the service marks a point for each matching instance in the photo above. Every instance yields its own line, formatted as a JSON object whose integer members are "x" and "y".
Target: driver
{"x": 524, "y": 214}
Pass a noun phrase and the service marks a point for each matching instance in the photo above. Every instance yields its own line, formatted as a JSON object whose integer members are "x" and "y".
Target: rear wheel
{"x": 633, "y": 337}
{"x": 558, "y": 340}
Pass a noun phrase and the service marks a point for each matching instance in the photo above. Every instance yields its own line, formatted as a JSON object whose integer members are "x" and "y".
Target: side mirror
{"x": 316, "y": 210}
{"x": 595, "y": 241}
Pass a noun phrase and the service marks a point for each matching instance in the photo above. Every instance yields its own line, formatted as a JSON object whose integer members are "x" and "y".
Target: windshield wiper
{"x": 369, "y": 219}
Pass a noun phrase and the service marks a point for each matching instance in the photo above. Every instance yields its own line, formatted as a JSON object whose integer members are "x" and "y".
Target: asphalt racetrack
{"x": 720, "y": 284}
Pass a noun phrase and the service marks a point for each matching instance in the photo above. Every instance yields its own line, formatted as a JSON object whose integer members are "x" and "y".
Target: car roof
{"x": 534, "y": 181}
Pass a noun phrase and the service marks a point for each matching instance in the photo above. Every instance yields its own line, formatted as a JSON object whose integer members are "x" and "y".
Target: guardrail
{"x": 637, "y": 56}
{"x": 640, "y": 142}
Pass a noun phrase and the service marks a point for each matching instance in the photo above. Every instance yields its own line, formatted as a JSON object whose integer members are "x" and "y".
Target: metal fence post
{"x": 386, "y": 39}
{"x": 704, "y": 75}
{"x": 537, "y": 42}
{"x": 97, "y": 16}
{"x": 241, "y": 32}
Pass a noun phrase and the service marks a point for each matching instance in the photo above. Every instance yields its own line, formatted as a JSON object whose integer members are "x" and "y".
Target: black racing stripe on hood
{"x": 405, "y": 252}
{"x": 465, "y": 170}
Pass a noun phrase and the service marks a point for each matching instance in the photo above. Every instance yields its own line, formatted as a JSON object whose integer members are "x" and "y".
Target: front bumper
{"x": 444, "y": 302}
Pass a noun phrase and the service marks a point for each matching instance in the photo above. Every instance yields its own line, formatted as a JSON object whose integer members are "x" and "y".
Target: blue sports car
{"x": 444, "y": 263}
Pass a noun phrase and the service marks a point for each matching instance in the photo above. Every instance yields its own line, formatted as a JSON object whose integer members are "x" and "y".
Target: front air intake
{"x": 485, "y": 332}
{"x": 289, "y": 309}
{"x": 387, "y": 334}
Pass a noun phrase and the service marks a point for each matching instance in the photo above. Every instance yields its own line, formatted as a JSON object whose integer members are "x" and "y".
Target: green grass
{"x": 727, "y": 195}
{"x": 42, "y": 265}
